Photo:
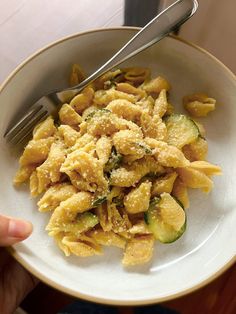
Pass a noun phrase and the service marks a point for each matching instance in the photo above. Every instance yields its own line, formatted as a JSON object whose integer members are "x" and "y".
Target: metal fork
{"x": 159, "y": 27}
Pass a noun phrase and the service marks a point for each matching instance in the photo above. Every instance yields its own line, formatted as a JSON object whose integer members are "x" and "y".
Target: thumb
{"x": 13, "y": 230}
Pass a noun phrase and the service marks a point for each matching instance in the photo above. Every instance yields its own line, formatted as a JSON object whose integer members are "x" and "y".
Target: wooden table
{"x": 218, "y": 297}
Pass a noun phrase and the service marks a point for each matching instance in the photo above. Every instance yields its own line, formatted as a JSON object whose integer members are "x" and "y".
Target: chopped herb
{"x": 114, "y": 161}
{"x": 90, "y": 115}
{"x": 146, "y": 149}
{"x": 98, "y": 111}
{"x": 99, "y": 201}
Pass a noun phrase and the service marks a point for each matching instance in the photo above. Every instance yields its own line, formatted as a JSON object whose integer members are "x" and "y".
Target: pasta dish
{"x": 115, "y": 167}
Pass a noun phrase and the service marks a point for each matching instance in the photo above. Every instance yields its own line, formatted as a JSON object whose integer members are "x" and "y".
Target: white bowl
{"x": 208, "y": 246}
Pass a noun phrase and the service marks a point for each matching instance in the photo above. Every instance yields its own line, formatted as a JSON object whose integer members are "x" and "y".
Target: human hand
{"x": 15, "y": 281}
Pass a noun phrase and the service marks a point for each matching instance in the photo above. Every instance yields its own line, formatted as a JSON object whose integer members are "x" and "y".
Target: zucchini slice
{"x": 165, "y": 218}
{"x": 181, "y": 130}
{"x": 83, "y": 223}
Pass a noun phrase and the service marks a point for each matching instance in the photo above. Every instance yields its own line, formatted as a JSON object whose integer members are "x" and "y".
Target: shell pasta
{"x": 115, "y": 168}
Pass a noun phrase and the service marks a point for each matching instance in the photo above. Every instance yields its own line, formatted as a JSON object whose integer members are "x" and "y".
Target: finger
{"x": 13, "y": 230}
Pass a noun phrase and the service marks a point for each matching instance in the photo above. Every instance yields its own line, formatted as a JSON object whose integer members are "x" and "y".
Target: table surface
{"x": 26, "y": 26}
{"x": 218, "y": 297}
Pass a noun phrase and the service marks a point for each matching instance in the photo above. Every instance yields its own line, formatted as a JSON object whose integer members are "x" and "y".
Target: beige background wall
{"x": 214, "y": 28}
{"x": 26, "y": 26}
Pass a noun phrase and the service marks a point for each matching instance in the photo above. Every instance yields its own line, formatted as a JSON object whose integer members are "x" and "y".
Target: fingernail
{"x": 19, "y": 228}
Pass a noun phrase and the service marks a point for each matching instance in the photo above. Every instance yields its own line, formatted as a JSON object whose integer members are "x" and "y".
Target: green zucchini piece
{"x": 152, "y": 205}
{"x": 178, "y": 201}
{"x": 147, "y": 150}
{"x": 83, "y": 223}
{"x": 181, "y": 130}
{"x": 166, "y": 219}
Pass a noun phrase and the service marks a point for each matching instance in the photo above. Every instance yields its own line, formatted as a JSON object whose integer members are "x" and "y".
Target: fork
{"x": 159, "y": 27}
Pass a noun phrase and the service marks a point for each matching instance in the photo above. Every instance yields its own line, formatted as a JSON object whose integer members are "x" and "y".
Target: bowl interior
{"x": 207, "y": 245}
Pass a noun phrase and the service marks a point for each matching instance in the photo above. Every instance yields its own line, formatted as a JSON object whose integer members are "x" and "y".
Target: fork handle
{"x": 165, "y": 22}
